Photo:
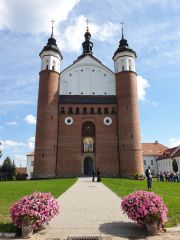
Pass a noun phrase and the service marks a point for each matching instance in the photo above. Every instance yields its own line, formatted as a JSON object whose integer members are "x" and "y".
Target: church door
{"x": 88, "y": 166}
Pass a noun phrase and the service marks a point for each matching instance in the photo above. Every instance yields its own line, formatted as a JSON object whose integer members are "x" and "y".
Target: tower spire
{"x": 52, "y": 33}
{"x": 87, "y": 21}
{"x": 122, "y": 29}
{"x": 87, "y": 44}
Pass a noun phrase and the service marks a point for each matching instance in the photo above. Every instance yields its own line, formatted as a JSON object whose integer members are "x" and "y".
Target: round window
{"x": 107, "y": 121}
{"x": 68, "y": 120}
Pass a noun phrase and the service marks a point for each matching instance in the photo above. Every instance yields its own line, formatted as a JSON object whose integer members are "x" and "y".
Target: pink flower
{"x": 38, "y": 208}
{"x": 143, "y": 207}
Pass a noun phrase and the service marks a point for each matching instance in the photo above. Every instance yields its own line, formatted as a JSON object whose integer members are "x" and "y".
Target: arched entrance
{"x": 88, "y": 166}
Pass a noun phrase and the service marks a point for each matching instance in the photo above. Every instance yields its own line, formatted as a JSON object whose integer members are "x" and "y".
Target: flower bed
{"x": 36, "y": 209}
{"x": 145, "y": 207}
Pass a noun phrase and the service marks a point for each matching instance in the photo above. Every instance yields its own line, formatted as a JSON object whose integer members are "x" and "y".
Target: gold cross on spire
{"x": 52, "y": 21}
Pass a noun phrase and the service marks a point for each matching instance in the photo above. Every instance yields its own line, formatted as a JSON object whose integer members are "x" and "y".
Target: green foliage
{"x": 8, "y": 169}
{"x": 170, "y": 192}
{"x": 175, "y": 165}
{"x": 11, "y": 191}
{"x": 21, "y": 176}
{"x": 137, "y": 176}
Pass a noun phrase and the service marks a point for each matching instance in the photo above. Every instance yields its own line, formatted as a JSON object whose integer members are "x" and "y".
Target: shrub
{"x": 21, "y": 176}
{"x": 36, "y": 209}
{"x": 145, "y": 207}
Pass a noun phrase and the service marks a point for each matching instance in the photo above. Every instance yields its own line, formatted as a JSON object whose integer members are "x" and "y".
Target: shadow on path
{"x": 123, "y": 229}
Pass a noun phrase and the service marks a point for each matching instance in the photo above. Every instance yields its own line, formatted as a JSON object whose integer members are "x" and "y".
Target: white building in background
{"x": 151, "y": 152}
{"x": 165, "y": 161}
{"x": 30, "y": 163}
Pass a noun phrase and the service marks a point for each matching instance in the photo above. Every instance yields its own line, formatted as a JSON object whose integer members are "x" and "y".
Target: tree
{"x": 175, "y": 165}
{"x": 8, "y": 169}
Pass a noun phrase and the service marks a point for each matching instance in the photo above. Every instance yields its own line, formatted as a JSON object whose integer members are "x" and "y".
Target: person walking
{"x": 149, "y": 178}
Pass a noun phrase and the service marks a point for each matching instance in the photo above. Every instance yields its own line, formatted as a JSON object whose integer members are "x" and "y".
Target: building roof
{"x": 123, "y": 46}
{"x": 170, "y": 153}
{"x": 51, "y": 45}
{"x": 153, "y": 149}
{"x": 21, "y": 170}
{"x": 30, "y": 154}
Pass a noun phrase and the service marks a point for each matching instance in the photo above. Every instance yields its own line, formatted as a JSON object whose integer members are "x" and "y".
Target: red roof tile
{"x": 21, "y": 170}
{"x": 153, "y": 149}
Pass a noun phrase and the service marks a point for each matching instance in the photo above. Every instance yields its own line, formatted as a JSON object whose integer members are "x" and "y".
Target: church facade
{"x": 87, "y": 116}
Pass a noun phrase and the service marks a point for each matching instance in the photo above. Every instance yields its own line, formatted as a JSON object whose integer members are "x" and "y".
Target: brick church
{"x": 87, "y": 116}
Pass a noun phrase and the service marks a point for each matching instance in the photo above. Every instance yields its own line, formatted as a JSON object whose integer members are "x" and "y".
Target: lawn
{"x": 11, "y": 191}
{"x": 170, "y": 192}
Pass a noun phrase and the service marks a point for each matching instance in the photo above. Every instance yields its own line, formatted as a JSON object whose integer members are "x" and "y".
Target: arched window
{"x": 77, "y": 110}
{"x": 91, "y": 110}
{"x": 54, "y": 65}
{"x": 122, "y": 68}
{"x": 62, "y": 110}
{"x": 106, "y": 111}
{"x": 99, "y": 110}
{"x": 88, "y": 129}
{"x": 70, "y": 110}
{"x": 113, "y": 110}
{"x": 84, "y": 110}
{"x": 129, "y": 64}
{"x": 88, "y": 144}
{"x": 88, "y": 137}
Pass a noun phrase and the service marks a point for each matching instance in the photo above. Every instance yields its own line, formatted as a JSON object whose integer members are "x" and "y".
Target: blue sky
{"x": 152, "y": 28}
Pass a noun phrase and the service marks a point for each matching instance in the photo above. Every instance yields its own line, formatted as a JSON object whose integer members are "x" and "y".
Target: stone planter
{"x": 27, "y": 231}
{"x": 27, "y": 227}
{"x": 152, "y": 228}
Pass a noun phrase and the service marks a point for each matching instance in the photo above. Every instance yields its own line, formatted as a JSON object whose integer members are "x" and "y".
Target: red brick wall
{"x": 47, "y": 125}
{"x": 70, "y": 147}
{"x": 130, "y": 149}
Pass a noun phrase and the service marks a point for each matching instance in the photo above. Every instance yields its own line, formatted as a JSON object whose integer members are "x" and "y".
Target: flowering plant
{"x": 145, "y": 207}
{"x": 36, "y": 209}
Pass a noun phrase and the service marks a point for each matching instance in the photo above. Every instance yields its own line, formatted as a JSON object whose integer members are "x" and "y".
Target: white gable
{"x": 87, "y": 77}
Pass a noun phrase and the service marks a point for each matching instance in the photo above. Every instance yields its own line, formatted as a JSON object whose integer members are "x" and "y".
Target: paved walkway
{"x": 90, "y": 209}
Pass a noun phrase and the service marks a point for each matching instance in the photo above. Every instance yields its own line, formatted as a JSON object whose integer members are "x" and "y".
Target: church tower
{"x": 47, "y": 111}
{"x": 129, "y": 139}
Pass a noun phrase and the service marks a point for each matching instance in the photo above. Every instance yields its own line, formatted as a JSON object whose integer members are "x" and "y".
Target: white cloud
{"x": 11, "y": 123}
{"x": 100, "y": 32}
{"x": 11, "y": 144}
{"x": 17, "y": 15}
{"x": 16, "y": 102}
{"x": 154, "y": 103}
{"x": 31, "y": 142}
{"x": 106, "y": 31}
{"x": 17, "y": 150}
{"x": 20, "y": 160}
{"x": 30, "y": 119}
{"x": 142, "y": 85}
{"x": 174, "y": 142}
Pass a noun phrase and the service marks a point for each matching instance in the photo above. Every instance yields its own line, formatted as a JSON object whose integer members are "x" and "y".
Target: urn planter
{"x": 152, "y": 228}
{"x": 27, "y": 231}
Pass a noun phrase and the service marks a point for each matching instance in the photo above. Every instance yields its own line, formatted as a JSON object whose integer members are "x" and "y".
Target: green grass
{"x": 11, "y": 191}
{"x": 170, "y": 192}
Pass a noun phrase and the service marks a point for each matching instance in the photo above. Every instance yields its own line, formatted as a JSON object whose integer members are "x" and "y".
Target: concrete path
{"x": 90, "y": 209}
